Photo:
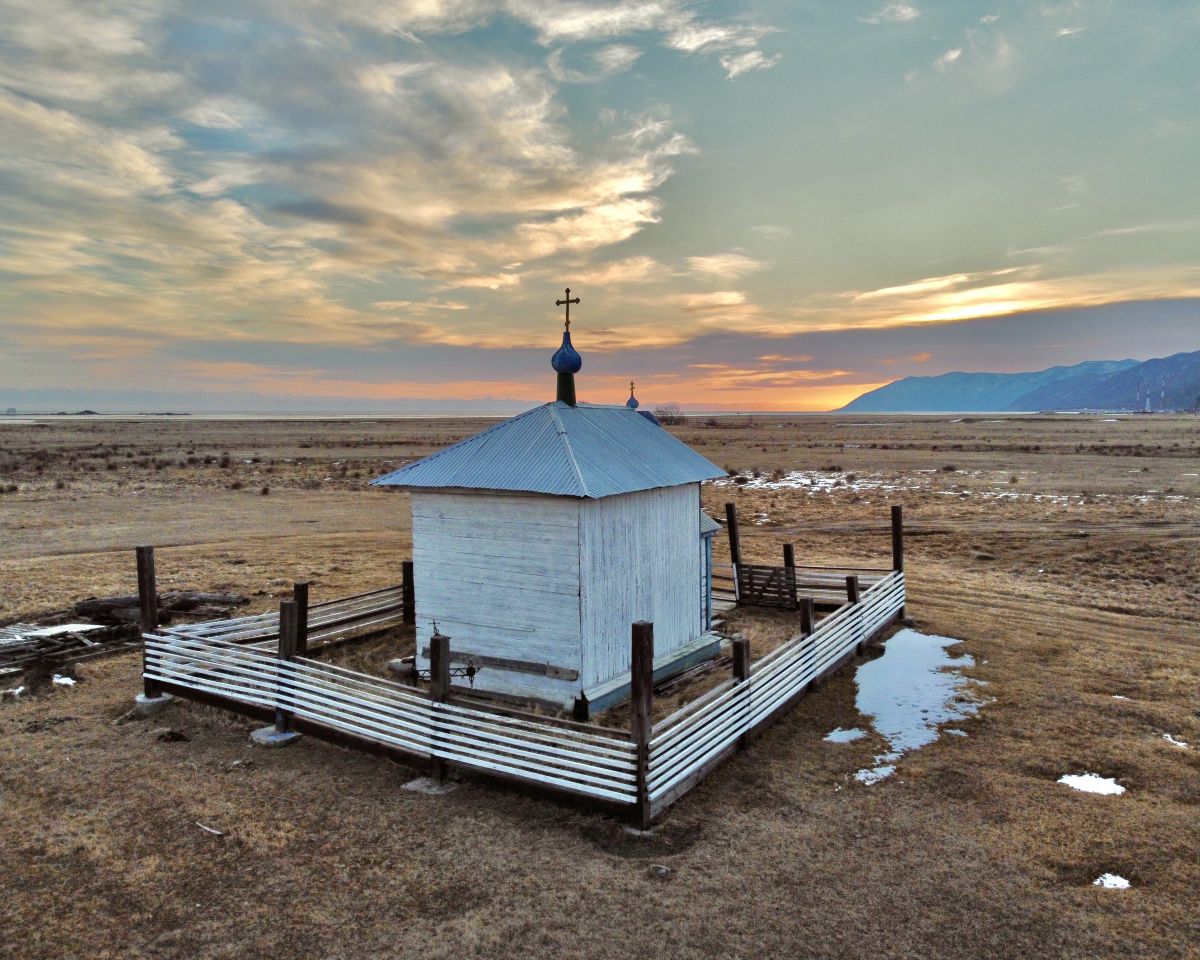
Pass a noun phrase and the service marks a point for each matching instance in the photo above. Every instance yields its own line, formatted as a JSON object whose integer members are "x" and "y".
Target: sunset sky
{"x": 763, "y": 205}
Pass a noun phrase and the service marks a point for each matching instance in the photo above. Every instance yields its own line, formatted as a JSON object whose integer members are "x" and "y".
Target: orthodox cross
{"x": 631, "y": 388}
{"x": 567, "y": 303}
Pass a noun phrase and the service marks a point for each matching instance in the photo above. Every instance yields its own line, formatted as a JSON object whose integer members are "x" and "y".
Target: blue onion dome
{"x": 565, "y": 359}
{"x": 632, "y": 402}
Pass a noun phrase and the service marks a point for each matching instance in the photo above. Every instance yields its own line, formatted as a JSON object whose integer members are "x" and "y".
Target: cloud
{"x": 989, "y": 18}
{"x": 249, "y": 193}
{"x": 1160, "y": 226}
{"x": 917, "y": 286}
{"x": 985, "y": 60}
{"x": 702, "y": 302}
{"x": 1069, "y": 31}
{"x": 737, "y": 64}
{"x": 425, "y": 306}
{"x": 618, "y": 272}
{"x": 606, "y": 62}
{"x": 675, "y": 21}
{"x": 892, "y": 13}
{"x": 948, "y": 59}
{"x": 727, "y": 266}
{"x": 772, "y": 231}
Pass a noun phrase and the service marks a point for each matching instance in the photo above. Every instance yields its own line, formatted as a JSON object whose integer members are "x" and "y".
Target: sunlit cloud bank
{"x": 335, "y": 199}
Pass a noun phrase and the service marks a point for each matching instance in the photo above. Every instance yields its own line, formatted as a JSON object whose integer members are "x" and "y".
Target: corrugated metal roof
{"x": 582, "y": 451}
{"x": 708, "y": 524}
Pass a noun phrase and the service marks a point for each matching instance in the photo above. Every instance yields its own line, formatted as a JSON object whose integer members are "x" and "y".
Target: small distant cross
{"x": 567, "y": 303}
{"x": 631, "y": 388}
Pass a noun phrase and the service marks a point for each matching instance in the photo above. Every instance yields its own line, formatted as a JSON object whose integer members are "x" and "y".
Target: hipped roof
{"x": 572, "y": 451}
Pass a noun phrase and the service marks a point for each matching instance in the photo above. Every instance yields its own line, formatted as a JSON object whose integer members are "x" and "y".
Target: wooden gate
{"x": 764, "y": 586}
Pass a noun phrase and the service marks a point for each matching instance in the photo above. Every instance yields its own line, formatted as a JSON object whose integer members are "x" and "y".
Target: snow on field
{"x": 844, "y": 735}
{"x": 1092, "y": 783}
{"x": 812, "y": 482}
{"x": 1182, "y": 744}
{"x": 909, "y": 692}
{"x": 1111, "y": 881}
{"x": 60, "y": 681}
{"x": 820, "y": 481}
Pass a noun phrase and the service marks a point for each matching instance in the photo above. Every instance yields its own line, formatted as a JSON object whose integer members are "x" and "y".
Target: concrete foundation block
{"x": 150, "y": 706}
{"x": 427, "y": 787}
{"x": 270, "y": 737}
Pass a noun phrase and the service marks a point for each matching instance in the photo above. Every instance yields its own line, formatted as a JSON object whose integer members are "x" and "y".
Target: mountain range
{"x": 1167, "y": 383}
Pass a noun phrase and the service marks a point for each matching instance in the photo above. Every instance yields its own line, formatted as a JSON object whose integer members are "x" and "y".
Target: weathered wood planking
{"x": 556, "y": 581}
{"x": 763, "y": 586}
{"x": 639, "y": 559}
{"x": 499, "y": 574}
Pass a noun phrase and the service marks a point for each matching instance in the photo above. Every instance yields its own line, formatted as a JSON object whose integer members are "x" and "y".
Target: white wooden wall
{"x": 500, "y": 575}
{"x": 639, "y": 560}
{"x": 556, "y": 580}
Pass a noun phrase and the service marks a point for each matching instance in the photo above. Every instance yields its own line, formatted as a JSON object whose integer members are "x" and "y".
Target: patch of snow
{"x": 1182, "y": 744}
{"x": 60, "y": 681}
{"x": 875, "y": 774}
{"x": 1117, "y": 696}
{"x": 819, "y": 481}
{"x": 955, "y": 731}
{"x": 1092, "y": 783}
{"x": 13, "y": 691}
{"x": 909, "y": 692}
{"x": 1111, "y": 881}
{"x": 843, "y": 735}
{"x": 1110, "y": 420}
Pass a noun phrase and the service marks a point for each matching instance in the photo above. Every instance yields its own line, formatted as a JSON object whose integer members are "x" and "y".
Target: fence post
{"x": 148, "y": 605}
{"x": 741, "y": 673}
{"x": 439, "y": 690}
{"x": 282, "y": 734}
{"x": 735, "y": 548}
{"x": 808, "y": 619}
{"x": 288, "y": 623}
{"x": 852, "y": 588}
{"x": 789, "y": 572}
{"x": 897, "y": 537}
{"x": 641, "y": 703}
{"x": 408, "y": 597}
{"x": 852, "y": 594}
{"x": 300, "y": 597}
{"x": 898, "y": 546}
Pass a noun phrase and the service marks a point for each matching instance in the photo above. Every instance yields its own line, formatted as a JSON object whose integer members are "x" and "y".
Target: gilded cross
{"x": 567, "y": 303}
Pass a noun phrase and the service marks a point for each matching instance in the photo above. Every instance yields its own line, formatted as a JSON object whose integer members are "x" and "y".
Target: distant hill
{"x": 1095, "y": 384}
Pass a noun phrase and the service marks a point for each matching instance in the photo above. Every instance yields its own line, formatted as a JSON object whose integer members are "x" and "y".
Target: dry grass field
{"x": 1064, "y": 552}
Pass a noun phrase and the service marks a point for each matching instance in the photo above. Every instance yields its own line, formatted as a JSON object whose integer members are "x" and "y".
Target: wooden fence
{"x": 759, "y": 585}
{"x": 333, "y": 619}
{"x": 786, "y": 586}
{"x": 590, "y": 762}
{"x": 688, "y": 744}
{"x": 641, "y": 772}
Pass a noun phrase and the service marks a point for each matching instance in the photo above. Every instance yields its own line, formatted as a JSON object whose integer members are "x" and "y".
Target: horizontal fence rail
{"x": 591, "y": 763}
{"x": 375, "y": 609}
{"x": 687, "y": 744}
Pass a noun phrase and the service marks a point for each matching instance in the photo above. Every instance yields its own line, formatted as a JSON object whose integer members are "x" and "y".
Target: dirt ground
{"x": 1064, "y": 552}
